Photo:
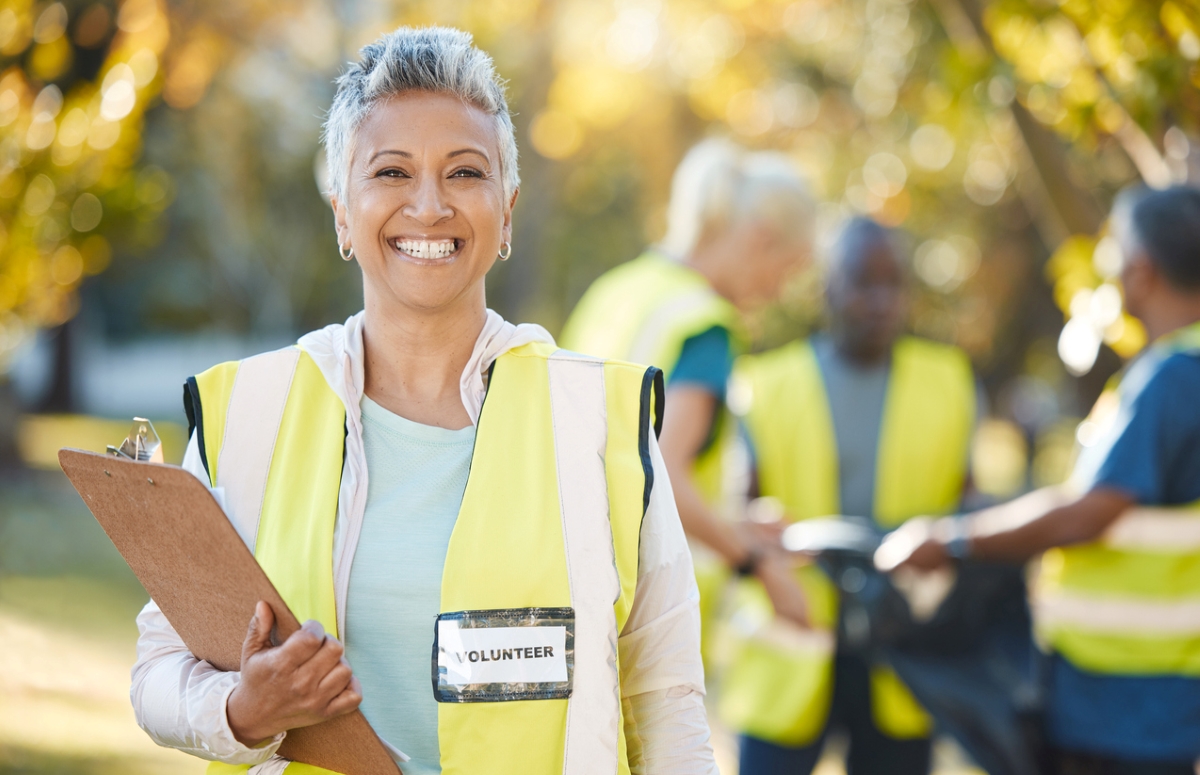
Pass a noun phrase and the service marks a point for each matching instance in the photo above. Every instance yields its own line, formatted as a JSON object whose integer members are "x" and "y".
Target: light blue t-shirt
{"x": 416, "y": 478}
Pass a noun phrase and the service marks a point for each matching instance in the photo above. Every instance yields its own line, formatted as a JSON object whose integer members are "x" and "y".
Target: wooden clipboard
{"x": 188, "y": 556}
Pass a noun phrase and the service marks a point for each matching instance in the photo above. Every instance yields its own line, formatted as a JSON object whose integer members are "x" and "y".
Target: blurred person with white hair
{"x": 400, "y": 514}
{"x": 739, "y": 224}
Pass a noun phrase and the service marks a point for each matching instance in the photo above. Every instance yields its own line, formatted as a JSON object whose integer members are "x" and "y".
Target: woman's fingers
{"x": 301, "y": 646}
{"x": 348, "y": 700}
{"x": 303, "y": 681}
{"x": 325, "y": 659}
{"x": 258, "y": 635}
{"x": 335, "y": 681}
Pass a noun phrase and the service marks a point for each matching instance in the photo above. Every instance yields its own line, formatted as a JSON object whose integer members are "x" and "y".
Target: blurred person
{"x": 381, "y": 492}
{"x": 864, "y": 422}
{"x": 739, "y": 225}
{"x": 1117, "y": 599}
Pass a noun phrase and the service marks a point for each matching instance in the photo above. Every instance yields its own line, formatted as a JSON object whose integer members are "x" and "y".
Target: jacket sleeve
{"x": 662, "y": 676}
{"x": 180, "y": 700}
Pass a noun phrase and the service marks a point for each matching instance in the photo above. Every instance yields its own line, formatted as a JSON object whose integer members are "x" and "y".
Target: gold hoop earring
{"x": 346, "y": 253}
{"x": 505, "y": 251}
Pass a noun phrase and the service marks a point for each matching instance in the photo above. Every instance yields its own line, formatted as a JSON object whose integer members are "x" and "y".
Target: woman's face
{"x": 425, "y": 210}
{"x": 764, "y": 260}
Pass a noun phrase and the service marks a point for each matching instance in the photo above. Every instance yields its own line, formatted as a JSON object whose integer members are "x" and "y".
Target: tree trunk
{"x": 60, "y": 396}
{"x": 1076, "y": 210}
{"x": 9, "y": 412}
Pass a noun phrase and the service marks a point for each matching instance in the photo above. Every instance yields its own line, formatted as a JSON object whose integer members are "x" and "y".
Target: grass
{"x": 67, "y": 641}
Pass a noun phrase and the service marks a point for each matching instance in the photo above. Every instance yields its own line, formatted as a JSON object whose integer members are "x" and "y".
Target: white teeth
{"x": 426, "y": 248}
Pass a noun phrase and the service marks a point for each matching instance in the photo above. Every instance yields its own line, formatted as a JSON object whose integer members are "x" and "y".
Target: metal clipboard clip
{"x": 141, "y": 444}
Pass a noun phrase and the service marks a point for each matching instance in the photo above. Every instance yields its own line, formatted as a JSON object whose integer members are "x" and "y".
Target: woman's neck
{"x": 415, "y": 360}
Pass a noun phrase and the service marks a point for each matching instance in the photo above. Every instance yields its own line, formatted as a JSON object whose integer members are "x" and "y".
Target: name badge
{"x": 503, "y": 655}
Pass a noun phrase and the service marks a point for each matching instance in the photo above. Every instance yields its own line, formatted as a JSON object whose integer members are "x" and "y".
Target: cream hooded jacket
{"x": 180, "y": 700}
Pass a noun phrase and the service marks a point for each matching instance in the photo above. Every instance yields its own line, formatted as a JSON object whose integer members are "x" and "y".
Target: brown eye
{"x": 466, "y": 172}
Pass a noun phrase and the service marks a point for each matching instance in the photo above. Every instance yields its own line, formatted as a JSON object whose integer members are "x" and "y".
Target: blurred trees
{"x": 77, "y": 79}
{"x": 249, "y": 241}
{"x": 181, "y": 141}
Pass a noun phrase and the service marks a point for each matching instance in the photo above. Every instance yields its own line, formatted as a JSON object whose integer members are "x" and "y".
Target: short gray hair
{"x": 719, "y": 183}
{"x": 441, "y": 60}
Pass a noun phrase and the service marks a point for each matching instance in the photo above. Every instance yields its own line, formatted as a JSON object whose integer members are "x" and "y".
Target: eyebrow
{"x": 462, "y": 151}
{"x": 451, "y": 155}
{"x": 405, "y": 154}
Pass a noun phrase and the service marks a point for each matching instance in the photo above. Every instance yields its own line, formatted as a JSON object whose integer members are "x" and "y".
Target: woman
{"x": 739, "y": 224}
{"x": 381, "y": 494}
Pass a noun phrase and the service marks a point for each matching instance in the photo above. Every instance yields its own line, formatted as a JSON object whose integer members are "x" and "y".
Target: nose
{"x": 428, "y": 205}
{"x": 883, "y": 300}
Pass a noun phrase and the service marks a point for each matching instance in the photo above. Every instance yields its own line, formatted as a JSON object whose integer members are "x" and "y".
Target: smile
{"x": 441, "y": 251}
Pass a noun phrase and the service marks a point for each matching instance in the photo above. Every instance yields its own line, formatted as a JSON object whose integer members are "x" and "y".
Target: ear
{"x": 1138, "y": 274}
{"x": 340, "y": 219}
{"x": 506, "y": 229}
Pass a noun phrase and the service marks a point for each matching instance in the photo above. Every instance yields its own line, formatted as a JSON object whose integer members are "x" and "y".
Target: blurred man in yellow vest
{"x": 863, "y": 422}
{"x": 739, "y": 224}
{"x": 1118, "y": 596}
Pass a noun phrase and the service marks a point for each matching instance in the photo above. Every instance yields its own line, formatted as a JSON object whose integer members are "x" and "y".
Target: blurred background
{"x": 161, "y": 211}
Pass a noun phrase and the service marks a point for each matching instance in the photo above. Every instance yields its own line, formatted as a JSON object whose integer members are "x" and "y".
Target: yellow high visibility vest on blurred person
{"x": 551, "y": 517}
{"x": 643, "y": 311}
{"x": 779, "y": 685}
{"x": 1128, "y": 604}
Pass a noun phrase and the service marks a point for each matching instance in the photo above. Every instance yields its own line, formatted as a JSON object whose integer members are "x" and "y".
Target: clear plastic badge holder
{"x": 504, "y": 655}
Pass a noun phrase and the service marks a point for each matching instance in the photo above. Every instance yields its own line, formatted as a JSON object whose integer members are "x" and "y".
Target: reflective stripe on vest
{"x": 1164, "y": 531}
{"x": 1128, "y": 604}
{"x": 558, "y": 486}
{"x": 273, "y": 436}
{"x": 647, "y": 307}
{"x": 928, "y": 417}
{"x": 643, "y": 311}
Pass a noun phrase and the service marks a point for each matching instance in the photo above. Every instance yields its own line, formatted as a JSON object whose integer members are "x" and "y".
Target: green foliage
{"x": 76, "y": 81}
{"x": 989, "y": 131}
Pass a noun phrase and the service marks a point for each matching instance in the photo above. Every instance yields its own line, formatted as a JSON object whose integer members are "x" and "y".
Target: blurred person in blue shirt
{"x": 1117, "y": 600}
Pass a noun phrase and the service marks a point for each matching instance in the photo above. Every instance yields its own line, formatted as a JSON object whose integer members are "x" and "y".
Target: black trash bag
{"x": 972, "y": 665}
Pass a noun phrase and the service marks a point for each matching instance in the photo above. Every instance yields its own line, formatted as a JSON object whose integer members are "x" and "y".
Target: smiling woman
{"x": 382, "y": 496}
{"x": 424, "y": 208}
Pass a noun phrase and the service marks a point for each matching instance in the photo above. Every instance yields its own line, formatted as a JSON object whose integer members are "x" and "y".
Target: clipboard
{"x": 189, "y": 557}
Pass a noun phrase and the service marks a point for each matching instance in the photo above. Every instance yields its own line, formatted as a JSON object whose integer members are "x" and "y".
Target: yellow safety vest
{"x": 1129, "y": 603}
{"x": 779, "y": 685}
{"x": 643, "y": 311}
{"x": 550, "y": 519}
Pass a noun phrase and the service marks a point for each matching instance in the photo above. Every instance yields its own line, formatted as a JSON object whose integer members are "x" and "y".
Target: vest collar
{"x": 338, "y": 352}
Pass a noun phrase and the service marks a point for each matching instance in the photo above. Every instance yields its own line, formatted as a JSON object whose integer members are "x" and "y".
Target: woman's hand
{"x": 302, "y": 682}
{"x": 776, "y": 573}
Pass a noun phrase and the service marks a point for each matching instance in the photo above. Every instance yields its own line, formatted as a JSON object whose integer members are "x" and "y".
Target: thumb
{"x": 258, "y": 636}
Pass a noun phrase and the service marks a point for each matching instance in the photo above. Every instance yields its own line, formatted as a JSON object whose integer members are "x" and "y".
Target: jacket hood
{"x": 338, "y": 352}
